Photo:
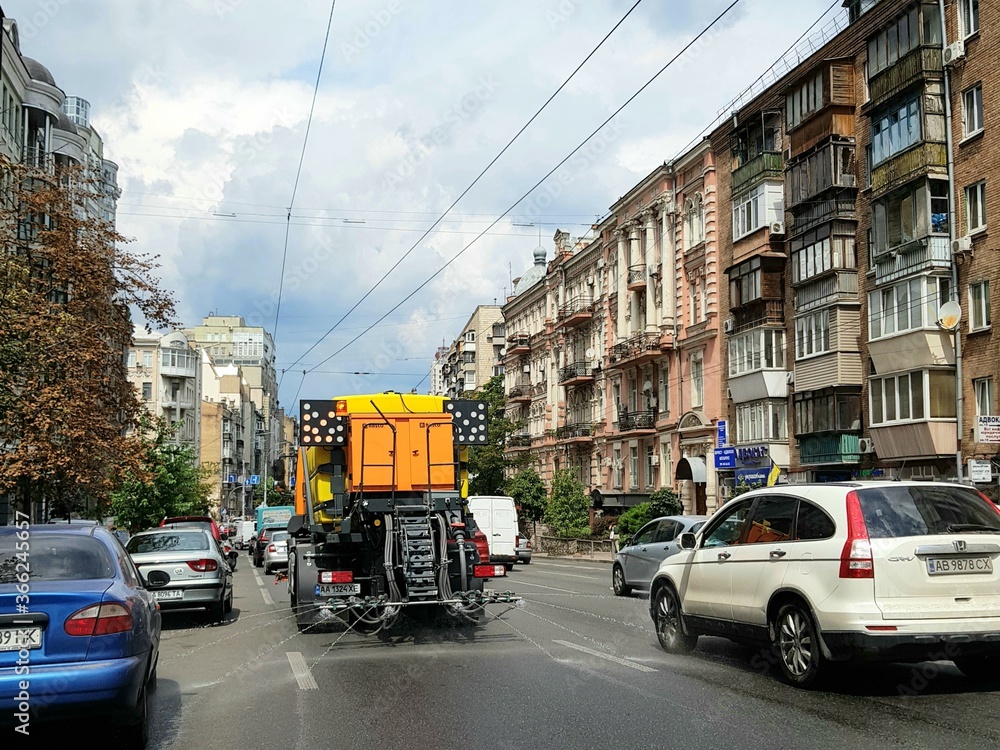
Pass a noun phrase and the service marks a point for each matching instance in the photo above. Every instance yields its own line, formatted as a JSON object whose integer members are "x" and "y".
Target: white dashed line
{"x": 301, "y": 671}
{"x": 267, "y": 597}
{"x": 608, "y": 657}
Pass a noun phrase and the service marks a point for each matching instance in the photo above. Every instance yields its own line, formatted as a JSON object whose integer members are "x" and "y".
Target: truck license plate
{"x": 15, "y": 639}
{"x": 337, "y": 589}
{"x": 937, "y": 566}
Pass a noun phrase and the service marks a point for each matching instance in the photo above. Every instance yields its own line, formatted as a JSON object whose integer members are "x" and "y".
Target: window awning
{"x": 693, "y": 468}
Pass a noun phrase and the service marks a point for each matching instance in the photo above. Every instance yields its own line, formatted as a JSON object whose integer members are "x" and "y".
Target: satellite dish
{"x": 590, "y": 354}
{"x": 647, "y": 386}
{"x": 950, "y": 315}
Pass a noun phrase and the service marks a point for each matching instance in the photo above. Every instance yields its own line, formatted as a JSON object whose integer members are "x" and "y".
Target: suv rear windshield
{"x": 919, "y": 511}
{"x": 56, "y": 557}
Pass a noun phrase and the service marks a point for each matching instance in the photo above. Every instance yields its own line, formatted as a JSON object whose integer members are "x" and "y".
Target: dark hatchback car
{"x": 76, "y": 613}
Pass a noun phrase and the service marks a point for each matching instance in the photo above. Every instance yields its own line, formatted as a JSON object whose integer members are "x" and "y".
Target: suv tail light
{"x": 203, "y": 566}
{"x": 99, "y": 619}
{"x": 856, "y": 557}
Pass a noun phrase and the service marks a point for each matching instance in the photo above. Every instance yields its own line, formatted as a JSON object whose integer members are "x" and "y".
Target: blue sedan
{"x": 79, "y": 633}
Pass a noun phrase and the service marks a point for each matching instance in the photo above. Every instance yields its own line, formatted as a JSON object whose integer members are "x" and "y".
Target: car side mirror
{"x": 686, "y": 540}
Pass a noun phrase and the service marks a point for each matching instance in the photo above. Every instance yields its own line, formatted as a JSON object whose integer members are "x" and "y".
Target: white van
{"x": 244, "y": 531}
{"x": 497, "y": 518}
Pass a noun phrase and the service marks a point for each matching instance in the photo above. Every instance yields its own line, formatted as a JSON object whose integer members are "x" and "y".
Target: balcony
{"x": 579, "y": 433}
{"x": 539, "y": 389}
{"x": 832, "y": 448}
{"x": 578, "y": 373}
{"x": 921, "y": 64}
{"x": 576, "y": 311}
{"x": 838, "y": 287}
{"x": 918, "y": 161}
{"x": 759, "y": 313}
{"x": 636, "y": 278}
{"x": 519, "y": 442}
{"x": 915, "y": 440}
{"x": 519, "y": 394}
{"x": 925, "y": 254}
{"x": 518, "y": 343}
{"x": 635, "y": 351}
{"x": 809, "y": 215}
{"x": 765, "y": 165}
{"x": 637, "y": 422}
{"x": 176, "y": 402}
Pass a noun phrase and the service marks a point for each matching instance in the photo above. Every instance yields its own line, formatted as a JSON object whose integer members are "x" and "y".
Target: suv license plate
{"x": 937, "y": 566}
{"x": 337, "y": 589}
{"x": 17, "y": 639}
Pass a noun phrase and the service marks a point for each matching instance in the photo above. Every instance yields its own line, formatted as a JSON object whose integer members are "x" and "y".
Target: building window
{"x": 912, "y": 396}
{"x": 650, "y": 466}
{"x": 147, "y": 391}
{"x": 979, "y": 305}
{"x": 762, "y": 421}
{"x": 694, "y": 221}
{"x": 666, "y": 470}
{"x": 896, "y": 131}
{"x": 827, "y": 412}
{"x": 633, "y": 467}
{"x": 702, "y": 298}
{"x": 969, "y": 11}
{"x": 972, "y": 110}
{"x": 618, "y": 466}
{"x": 664, "y": 389}
{"x": 984, "y": 396}
{"x": 131, "y": 358}
{"x": 894, "y": 42}
{"x": 697, "y": 381}
{"x": 975, "y": 208}
{"x": 820, "y": 170}
{"x": 745, "y": 283}
{"x": 812, "y": 334}
{"x": 762, "y": 205}
{"x": 762, "y": 349}
{"x": 909, "y": 215}
{"x": 805, "y": 100}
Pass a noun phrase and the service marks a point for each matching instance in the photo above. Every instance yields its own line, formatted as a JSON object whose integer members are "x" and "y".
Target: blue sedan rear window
{"x": 54, "y": 557}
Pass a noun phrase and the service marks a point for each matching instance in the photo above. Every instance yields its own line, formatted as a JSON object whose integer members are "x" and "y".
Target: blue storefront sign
{"x": 725, "y": 458}
{"x": 721, "y": 434}
{"x": 752, "y": 477}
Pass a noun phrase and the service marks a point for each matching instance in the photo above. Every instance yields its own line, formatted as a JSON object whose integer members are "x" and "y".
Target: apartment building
{"x": 474, "y": 356}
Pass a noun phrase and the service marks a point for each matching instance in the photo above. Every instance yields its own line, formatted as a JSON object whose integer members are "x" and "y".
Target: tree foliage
{"x": 168, "y": 483}
{"x": 632, "y": 520}
{"x": 665, "y": 502}
{"x": 528, "y": 491}
{"x": 567, "y": 514}
{"x": 488, "y": 466}
{"x": 67, "y": 287}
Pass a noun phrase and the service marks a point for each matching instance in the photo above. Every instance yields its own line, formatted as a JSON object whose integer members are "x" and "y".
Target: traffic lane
{"x": 889, "y": 700}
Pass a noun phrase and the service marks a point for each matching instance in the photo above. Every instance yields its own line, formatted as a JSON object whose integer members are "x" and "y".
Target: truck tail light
{"x": 203, "y": 566}
{"x": 856, "y": 557}
{"x": 489, "y": 571}
{"x": 336, "y": 576}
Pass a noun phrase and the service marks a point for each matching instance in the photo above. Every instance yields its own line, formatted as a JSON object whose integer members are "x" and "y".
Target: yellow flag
{"x": 772, "y": 476}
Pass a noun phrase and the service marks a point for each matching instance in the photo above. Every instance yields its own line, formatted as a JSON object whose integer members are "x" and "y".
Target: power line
{"x": 475, "y": 181}
{"x": 537, "y": 184}
{"x": 298, "y": 171}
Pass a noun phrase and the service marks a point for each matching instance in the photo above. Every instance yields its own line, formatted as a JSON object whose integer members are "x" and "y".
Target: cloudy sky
{"x": 204, "y": 105}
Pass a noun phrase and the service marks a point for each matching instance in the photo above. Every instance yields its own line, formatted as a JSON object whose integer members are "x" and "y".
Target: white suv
{"x": 892, "y": 571}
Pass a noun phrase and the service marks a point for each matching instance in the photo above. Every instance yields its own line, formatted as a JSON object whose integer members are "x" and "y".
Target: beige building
{"x": 475, "y": 356}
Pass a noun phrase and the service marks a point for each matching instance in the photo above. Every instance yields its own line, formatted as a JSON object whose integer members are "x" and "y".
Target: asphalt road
{"x": 573, "y": 667}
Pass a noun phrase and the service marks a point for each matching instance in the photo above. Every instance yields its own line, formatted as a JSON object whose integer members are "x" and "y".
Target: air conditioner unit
{"x": 654, "y": 460}
{"x": 729, "y": 325}
{"x": 866, "y": 445}
{"x": 778, "y": 227}
{"x": 954, "y": 52}
{"x": 787, "y": 154}
{"x": 590, "y": 281}
{"x": 961, "y": 245}
{"x": 790, "y": 378}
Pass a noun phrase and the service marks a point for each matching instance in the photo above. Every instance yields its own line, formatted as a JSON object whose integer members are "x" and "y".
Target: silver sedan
{"x": 637, "y": 561}
{"x": 276, "y": 551}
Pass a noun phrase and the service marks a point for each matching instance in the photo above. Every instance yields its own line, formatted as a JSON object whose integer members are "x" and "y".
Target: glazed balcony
{"x": 637, "y": 350}
{"x": 921, "y": 64}
{"x": 765, "y": 165}
{"x": 925, "y": 254}
{"x": 577, "y": 373}
{"x": 829, "y": 448}
{"x": 518, "y": 343}
{"x": 918, "y": 161}
{"x": 840, "y": 286}
{"x": 637, "y": 422}
{"x": 636, "y": 278}
{"x": 579, "y": 433}
{"x": 576, "y": 311}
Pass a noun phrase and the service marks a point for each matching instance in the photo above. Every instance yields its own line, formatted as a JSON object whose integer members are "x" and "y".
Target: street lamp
{"x": 950, "y": 319}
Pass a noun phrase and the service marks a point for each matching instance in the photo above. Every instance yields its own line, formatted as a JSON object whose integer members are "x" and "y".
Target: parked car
{"x": 198, "y": 522}
{"x": 497, "y": 518}
{"x": 260, "y": 545}
{"x": 523, "y": 548}
{"x": 184, "y": 568}
{"x": 92, "y": 630}
{"x": 900, "y": 571}
{"x": 636, "y": 562}
{"x": 276, "y": 552}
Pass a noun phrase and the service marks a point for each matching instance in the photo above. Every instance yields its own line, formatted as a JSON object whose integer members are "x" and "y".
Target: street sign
{"x": 725, "y": 458}
{"x": 232, "y": 479}
{"x": 980, "y": 471}
{"x": 721, "y": 436}
{"x": 255, "y": 479}
{"x": 988, "y": 428}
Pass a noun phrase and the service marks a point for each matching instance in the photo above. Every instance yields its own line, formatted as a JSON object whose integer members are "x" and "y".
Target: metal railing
{"x": 575, "y": 306}
{"x": 637, "y": 274}
{"x": 637, "y": 420}
{"x": 576, "y": 370}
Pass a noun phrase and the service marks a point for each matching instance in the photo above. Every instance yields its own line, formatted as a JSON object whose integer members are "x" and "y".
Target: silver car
{"x": 276, "y": 551}
{"x": 637, "y": 561}
{"x": 184, "y": 568}
{"x": 523, "y": 549}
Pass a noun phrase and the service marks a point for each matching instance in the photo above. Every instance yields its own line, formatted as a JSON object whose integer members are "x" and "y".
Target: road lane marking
{"x": 569, "y": 567}
{"x": 550, "y": 588}
{"x": 608, "y": 657}
{"x": 570, "y": 575}
{"x": 302, "y": 674}
{"x": 267, "y": 597}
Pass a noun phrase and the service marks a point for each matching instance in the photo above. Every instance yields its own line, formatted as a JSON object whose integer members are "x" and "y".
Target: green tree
{"x": 567, "y": 514}
{"x": 488, "y": 466}
{"x": 528, "y": 491}
{"x": 277, "y": 494}
{"x": 664, "y": 502}
{"x": 169, "y": 482}
{"x": 632, "y": 520}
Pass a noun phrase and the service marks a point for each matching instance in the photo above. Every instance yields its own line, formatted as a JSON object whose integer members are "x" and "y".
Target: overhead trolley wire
{"x": 471, "y": 185}
{"x": 457, "y": 255}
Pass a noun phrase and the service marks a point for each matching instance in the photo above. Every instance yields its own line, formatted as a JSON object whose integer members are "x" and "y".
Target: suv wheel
{"x": 796, "y": 644}
{"x": 618, "y": 582}
{"x": 669, "y": 623}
